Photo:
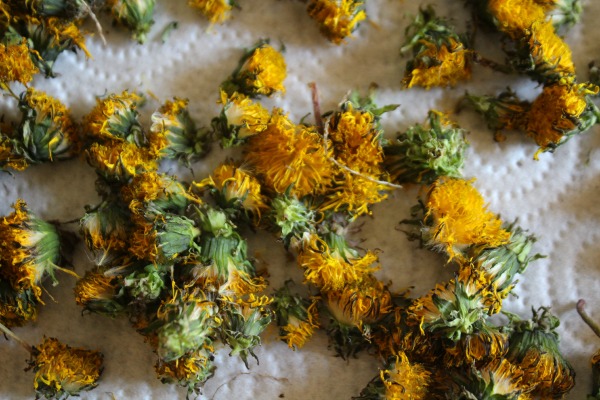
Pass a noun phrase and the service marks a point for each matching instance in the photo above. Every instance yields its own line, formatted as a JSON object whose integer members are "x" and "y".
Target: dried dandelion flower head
{"x": 62, "y": 371}
{"x": 337, "y": 19}
{"x": 16, "y": 64}
{"x": 459, "y": 218}
{"x": 30, "y": 249}
{"x": 217, "y": 11}
{"x": 290, "y": 157}
{"x": 559, "y": 112}
{"x": 240, "y": 119}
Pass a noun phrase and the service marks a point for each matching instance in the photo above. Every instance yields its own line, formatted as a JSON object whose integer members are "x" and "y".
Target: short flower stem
{"x": 10, "y": 334}
{"x": 316, "y": 106}
{"x": 586, "y": 318}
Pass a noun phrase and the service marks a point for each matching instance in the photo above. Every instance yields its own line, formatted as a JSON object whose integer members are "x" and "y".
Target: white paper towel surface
{"x": 556, "y": 198}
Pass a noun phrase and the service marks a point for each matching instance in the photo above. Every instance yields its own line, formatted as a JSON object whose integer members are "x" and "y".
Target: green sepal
{"x": 426, "y": 152}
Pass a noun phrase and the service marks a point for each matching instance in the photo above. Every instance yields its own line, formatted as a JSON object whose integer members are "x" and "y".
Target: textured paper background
{"x": 555, "y": 198}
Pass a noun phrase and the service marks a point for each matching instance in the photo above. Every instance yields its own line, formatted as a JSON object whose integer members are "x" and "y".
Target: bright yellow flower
{"x": 356, "y": 142}
{"x": 549, "y": 51}
{"x": 515, "y": 17}
{"x": 330, "y": 270}
{"x": 337, "y": 19}
{"x": 359, "y": 303}
{"x": 286, "y": 154}
{"x": 405, "y": 380}
{"x": 16, "y": 64}
{"x": 265, "y": 71}
{"x": 217, "y": 11}
{"x": 117, "y": 110}
{"x": 460, "y": 218}
{"x": 555, "y": 112}
{"x": 242, "y": 112}
{"x": 65, "y": 370}
{"x": 452, "y": 65}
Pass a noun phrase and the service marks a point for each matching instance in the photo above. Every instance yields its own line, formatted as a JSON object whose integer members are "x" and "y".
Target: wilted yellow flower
{"x": 331, "y": 269}
{"x": 150, "y": 193}
{"x": 460, "y": 218}
{"x": 555, "y": 113}
{"x": 120, "y": 159}
{"x": 551, "y": 53}
{"x": 29, "y": 249}
{"x": 515, "y": 17}
{"x": 499, "y": 378}
{"x": 17, "y": 307}
{"x": 16, "y": 63}
{"x": 354, "y": 193}
{"x": 337, "y": 18}
{"x": 297, "y": 331}
{"x": 47, "y": 129}
{"x": 360, "y": 303}
{"x": 8, "y": 156}
{"x": 217, "y": 11}
{"x": 356, "y": 142}
{"x": 451, "y": 64}
{"x": 113, "y": 117}
{"x": 234, "y": 186}
{"x": 190, "y": 371}
{"x": 95, "y": 286}
{"x": 62, "y": 371}
{"x": 405, "y": 380}
{"x": 479, "y": 347}
{"x": 265, "y": 70}
{"x": 292, "y": 157}
{"x": 240, "y": 118}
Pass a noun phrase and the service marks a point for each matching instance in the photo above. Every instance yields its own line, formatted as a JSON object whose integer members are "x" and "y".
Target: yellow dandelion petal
{"x": 16, "y": 64}
{"x": 337, "y": 19}
{"x": 217, "y": 11}
{"x": 240, "y": 111}
{"x": 514, "y": 17}
{"x": 359, "y": 303}
{"x": 95, "y": 285}
{"x": 266, "y": 70}
{"x": 108, "y": 112}
{"x": 461, "y": 218}
{"x": 65, "y": 369}
{"x": 555, "y": 112}
{"x": 354, "y": 193}
{"x": 452, "y": 66}
{"x": 549, "y": 50}
{"x": 7, "y": 157}
{"x": 405, "y": 380}
{"x": 120, "y": 159}
{"x": 285, "y": 155}
{"x": 329, "y": 270}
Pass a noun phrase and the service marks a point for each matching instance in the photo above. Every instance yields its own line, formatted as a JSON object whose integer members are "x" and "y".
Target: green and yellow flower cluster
{"x": 564, "y": 107}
